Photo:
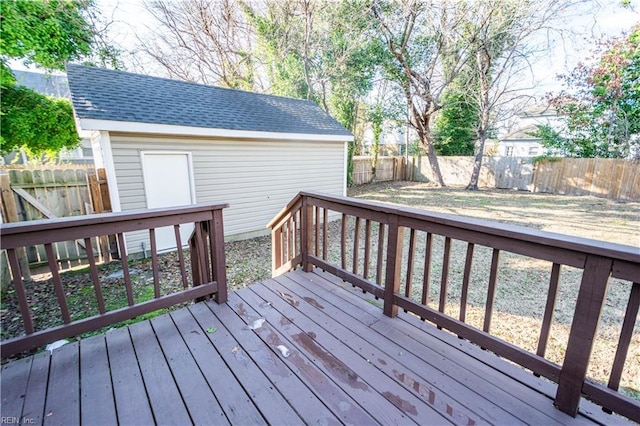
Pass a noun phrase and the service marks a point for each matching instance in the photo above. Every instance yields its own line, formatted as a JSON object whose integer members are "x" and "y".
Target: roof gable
{"x": 103, "y": 94}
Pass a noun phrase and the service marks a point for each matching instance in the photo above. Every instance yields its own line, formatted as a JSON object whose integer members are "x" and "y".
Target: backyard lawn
{"x": 522, "y": 282}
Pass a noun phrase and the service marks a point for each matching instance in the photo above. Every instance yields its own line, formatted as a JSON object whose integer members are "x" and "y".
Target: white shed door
{"x": 168, "y": 182}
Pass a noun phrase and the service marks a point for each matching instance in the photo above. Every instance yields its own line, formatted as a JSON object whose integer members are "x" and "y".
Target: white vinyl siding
{"x": 256, "y": 178}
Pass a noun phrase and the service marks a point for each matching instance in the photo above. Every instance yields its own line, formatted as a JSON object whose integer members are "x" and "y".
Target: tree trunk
{"x": 433, "y": 162}
{"x": 477, "y": 165}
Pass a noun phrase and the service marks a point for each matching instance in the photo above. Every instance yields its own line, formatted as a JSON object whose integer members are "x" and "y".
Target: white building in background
{"x": 393, "y": 141}
{"x": 519, "y": 142}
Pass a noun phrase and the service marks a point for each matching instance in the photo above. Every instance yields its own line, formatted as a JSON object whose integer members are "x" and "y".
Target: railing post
{"x": 593, "y": 290}
{"x": 394, "y": 263}
{"x": 218, "y": 259}
{"x": 305, "y": 233}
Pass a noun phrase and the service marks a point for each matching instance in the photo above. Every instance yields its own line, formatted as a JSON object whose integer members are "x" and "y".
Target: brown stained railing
{"x": 393, "y": 255}
{"x": 207, "y": 262}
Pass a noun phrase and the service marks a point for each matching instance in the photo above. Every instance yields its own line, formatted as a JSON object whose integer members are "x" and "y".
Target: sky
{"x": 604, "y": 17}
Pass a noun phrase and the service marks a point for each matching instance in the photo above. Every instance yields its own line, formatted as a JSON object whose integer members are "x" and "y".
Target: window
{"x": 533, "y": 151}
{"x": 509, "y": 152}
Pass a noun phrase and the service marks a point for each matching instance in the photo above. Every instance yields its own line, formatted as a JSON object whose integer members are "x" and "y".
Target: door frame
{"x": 145, "y": 178}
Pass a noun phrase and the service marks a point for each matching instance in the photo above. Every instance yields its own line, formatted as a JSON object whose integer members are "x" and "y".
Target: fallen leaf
{"x": 211, "y": 330}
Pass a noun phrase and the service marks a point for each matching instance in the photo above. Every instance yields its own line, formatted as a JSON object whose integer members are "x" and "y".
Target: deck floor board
{"x": 63, "y": 391}
{"x": 345, "y": 363}
{"x": 34, "y": 399}
{"x": 130, "y": 394}
{"x": 96, "y": 388}
{"x": 162, "y": 390}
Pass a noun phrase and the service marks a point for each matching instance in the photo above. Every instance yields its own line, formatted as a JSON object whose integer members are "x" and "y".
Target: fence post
{"x": 394, "y": 264}
{"x": 10, "y": 215}
{"x": 593, "y": 290}
{"x": 305, "y": 233}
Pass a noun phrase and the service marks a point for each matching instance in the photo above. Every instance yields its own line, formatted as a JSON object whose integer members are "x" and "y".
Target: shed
{"x": 165, "y": 142}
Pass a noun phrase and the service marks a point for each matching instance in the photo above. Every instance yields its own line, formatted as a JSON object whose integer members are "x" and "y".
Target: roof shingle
{"x": 103, "y": 94}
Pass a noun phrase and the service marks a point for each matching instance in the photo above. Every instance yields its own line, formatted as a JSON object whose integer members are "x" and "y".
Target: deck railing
{"x": 377, "y": 250}
{"x": 207, "y": 266}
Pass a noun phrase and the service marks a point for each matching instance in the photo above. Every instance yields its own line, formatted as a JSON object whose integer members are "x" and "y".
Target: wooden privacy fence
{"x": 49, "y": 192}
{"x": 601, "y": 177}
{"x": 409, "y": 259}
{"x": 387, "y": 169}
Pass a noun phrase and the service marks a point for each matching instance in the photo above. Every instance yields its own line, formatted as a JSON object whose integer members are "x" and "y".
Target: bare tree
{"x": 505, "y": 37}
{"x": 205, "y": 41}
{"x": 424, "y": 41}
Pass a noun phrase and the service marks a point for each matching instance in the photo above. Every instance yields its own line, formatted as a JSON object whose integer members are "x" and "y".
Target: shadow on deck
{"x": 300, "y": 348}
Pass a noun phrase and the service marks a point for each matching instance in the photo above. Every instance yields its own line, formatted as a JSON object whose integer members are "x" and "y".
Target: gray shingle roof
{"x": 103, "y": 94}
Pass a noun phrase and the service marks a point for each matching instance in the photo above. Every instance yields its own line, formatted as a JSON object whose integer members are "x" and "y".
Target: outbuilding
{"x": 165, "y": 142}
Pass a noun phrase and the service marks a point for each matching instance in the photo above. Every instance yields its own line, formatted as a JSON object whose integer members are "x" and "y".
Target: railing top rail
{"x": 515, "y": 232}
{"x": 44, "y": 231}
{"x": 105, "y": 218}
{"x": 284, "y": 210}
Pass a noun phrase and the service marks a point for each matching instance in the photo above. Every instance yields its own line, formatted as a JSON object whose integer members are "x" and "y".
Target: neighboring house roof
{"x": 116, "y": 96}
{"x": 522, "y": 135}
{"x": 46, "y": 84}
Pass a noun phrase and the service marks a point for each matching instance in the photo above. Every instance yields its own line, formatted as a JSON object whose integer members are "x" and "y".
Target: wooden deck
{"x": 302, "y": 348}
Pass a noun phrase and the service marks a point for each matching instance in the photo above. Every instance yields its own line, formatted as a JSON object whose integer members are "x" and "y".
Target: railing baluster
{"x": 125, "y": 269}
{"x": 381, "y": 230}
{"x": 317, "y": 231}
{"x": 593, "y": 289}
{"x": 343, "y": 242}
{"x": 548, "y": 310}
{"x": 426, "y": 278}
{"x": 367, "y": 248}
{"x": 445, "y": 274}
{"x": 325, "y": 234}
{"x": 203, "y": 260}
{"x": 16, "y": 272}
{"x": 276, "y": 250}
{"x": 491, "y": 291}
{"x": 307, "y": 229}
{"x": 465, "y": 282}
{"x": 412, "y": 253}
{"x": 625, "y": 336}
{"x": 356, "y": 245}
{"x": 183, "y": 270}
{"x": 95, "y": 278}
{"x": 283, "y": 244}
{"x": 290, "y": 253}
{"x": 154, "y": 263}
{"x": 57, "y": 283}
{"x": 294, "y": 221}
